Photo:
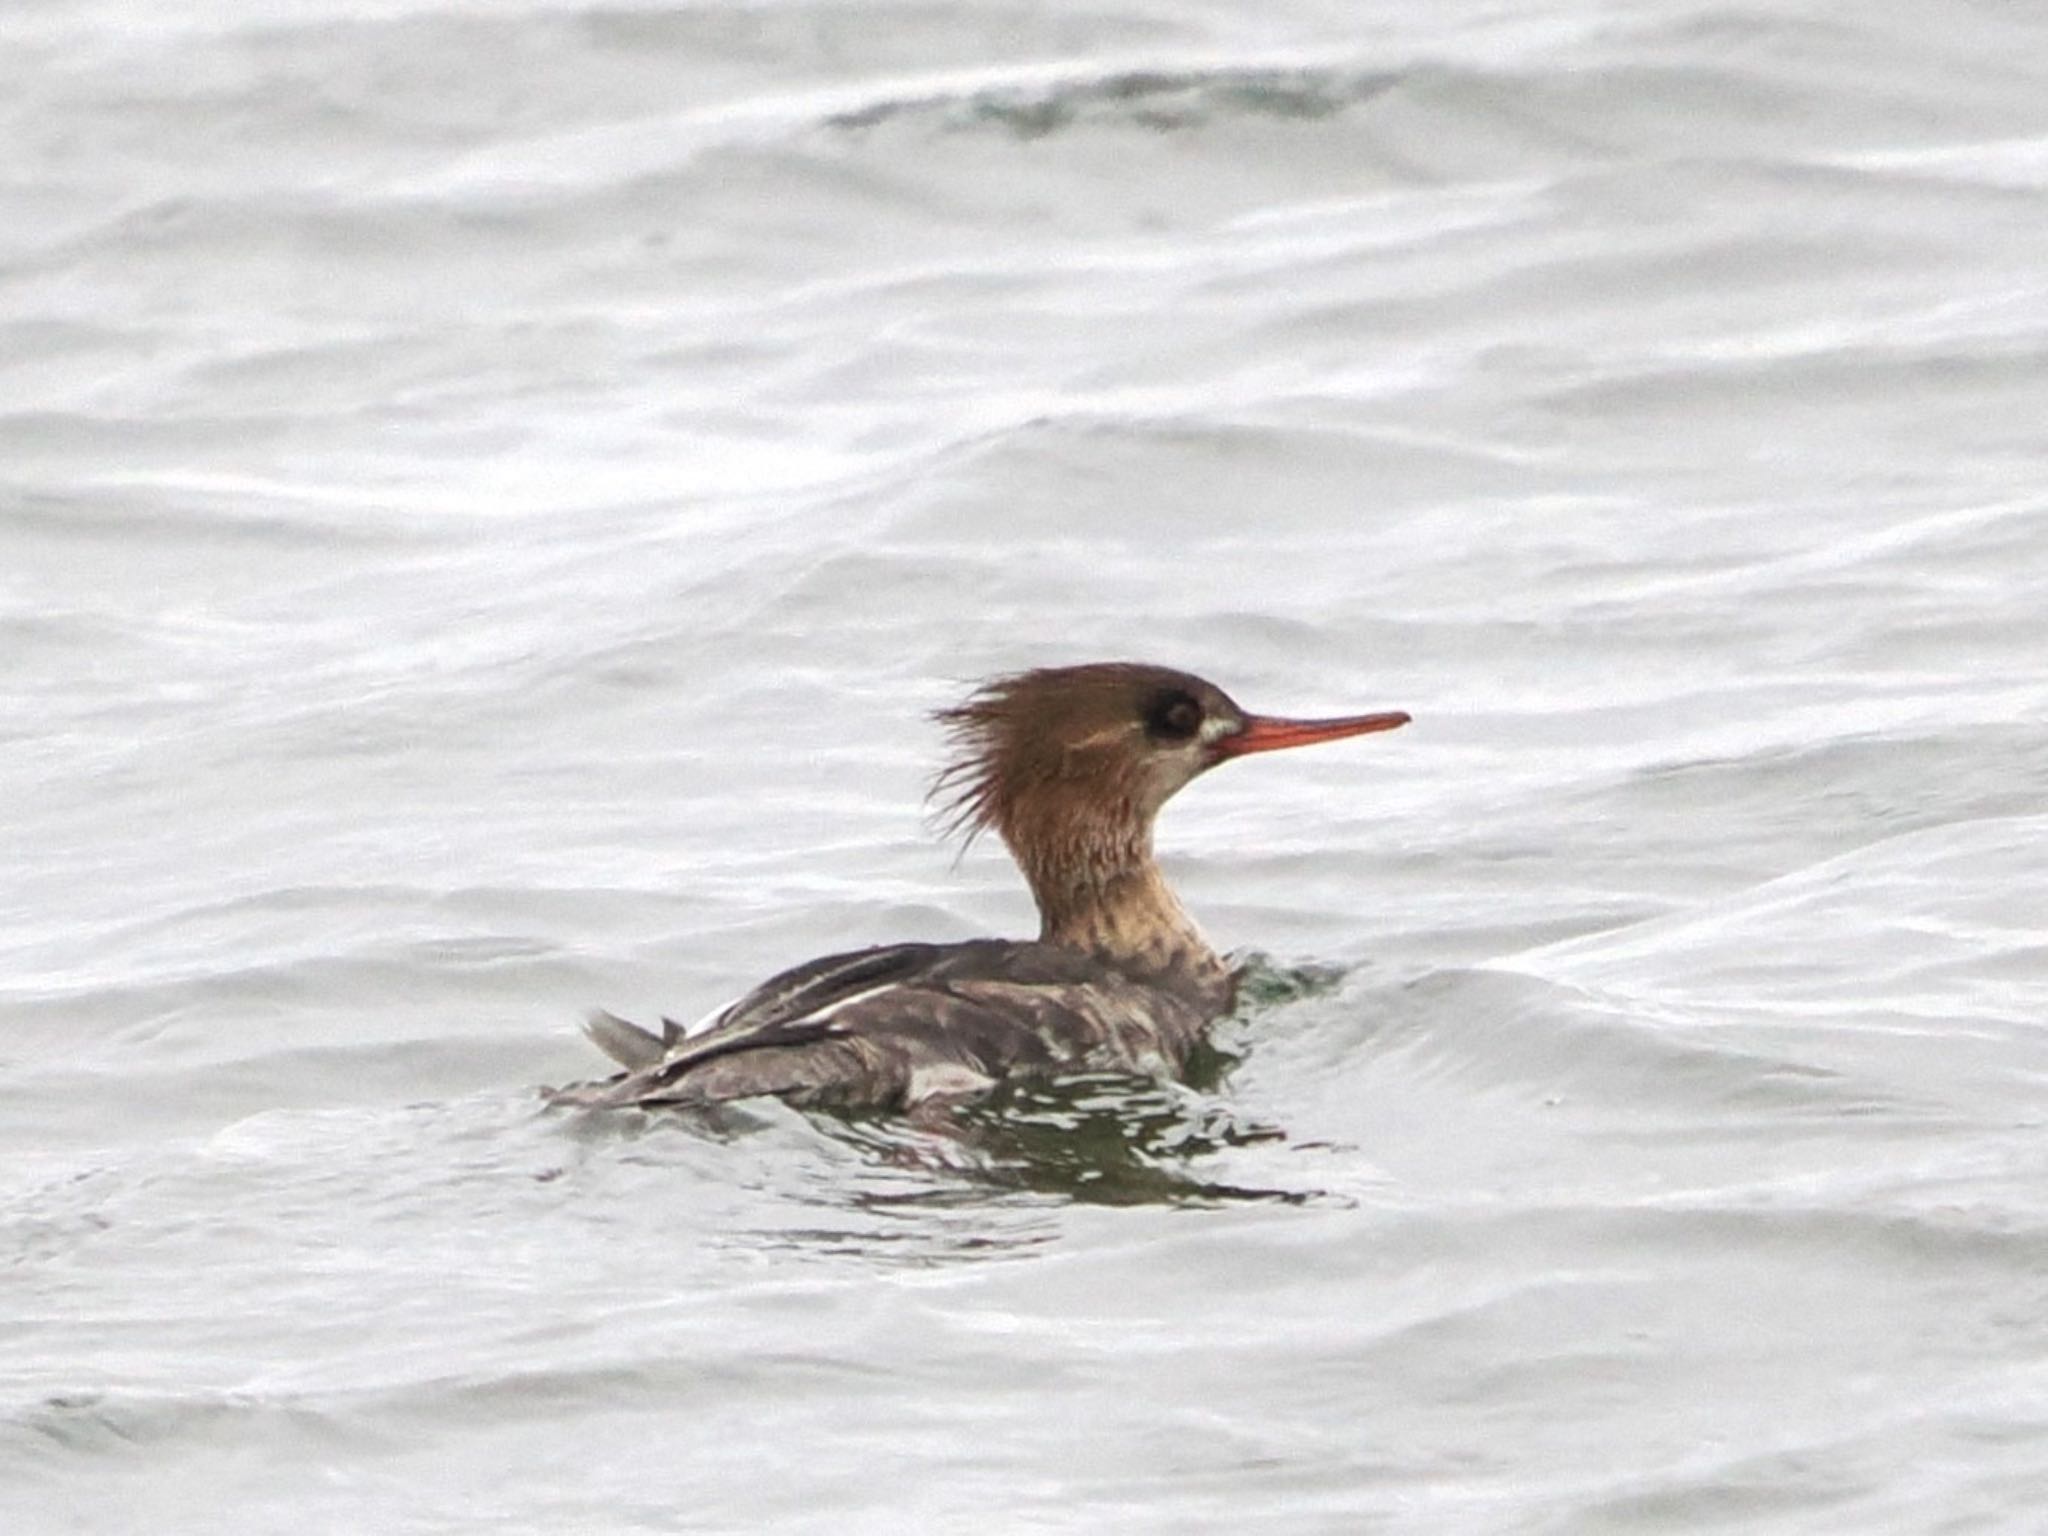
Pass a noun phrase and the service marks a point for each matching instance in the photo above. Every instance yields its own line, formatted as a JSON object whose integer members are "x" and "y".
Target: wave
{"x": 1164, "y": 99}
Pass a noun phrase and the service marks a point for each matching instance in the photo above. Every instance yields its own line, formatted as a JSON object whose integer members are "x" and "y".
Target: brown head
{"x": 1069, "y": 765}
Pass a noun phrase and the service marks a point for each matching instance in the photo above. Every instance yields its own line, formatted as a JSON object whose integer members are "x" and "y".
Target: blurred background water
{"x": 488, "y": 494}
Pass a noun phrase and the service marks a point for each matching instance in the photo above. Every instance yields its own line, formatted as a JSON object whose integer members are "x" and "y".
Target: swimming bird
{"x": 1068, "y": 766}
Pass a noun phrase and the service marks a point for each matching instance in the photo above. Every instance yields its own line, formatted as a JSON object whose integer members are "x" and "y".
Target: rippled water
{"x": 488, "y": 493}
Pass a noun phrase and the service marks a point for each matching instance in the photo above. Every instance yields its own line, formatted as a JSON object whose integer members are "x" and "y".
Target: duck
{"x": 1069, "y": 766}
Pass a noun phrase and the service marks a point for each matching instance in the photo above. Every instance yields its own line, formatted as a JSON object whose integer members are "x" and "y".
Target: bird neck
{"x": 1099, "y": 890}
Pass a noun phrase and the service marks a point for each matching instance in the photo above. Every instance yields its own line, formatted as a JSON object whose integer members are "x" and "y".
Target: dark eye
{"x": 1174, "y": 716}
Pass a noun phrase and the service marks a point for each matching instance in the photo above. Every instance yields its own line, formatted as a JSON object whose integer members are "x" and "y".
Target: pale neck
{"x": 1103, "y": 894}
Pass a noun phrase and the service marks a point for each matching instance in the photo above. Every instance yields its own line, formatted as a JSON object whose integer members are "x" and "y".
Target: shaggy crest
{"x": 1019, "y": 738}
{"x": 962, "y": 793}
{"x": 968, "y": 794}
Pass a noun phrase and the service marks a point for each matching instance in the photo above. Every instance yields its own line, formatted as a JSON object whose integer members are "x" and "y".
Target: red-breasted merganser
{"x": 1068, "y": 765}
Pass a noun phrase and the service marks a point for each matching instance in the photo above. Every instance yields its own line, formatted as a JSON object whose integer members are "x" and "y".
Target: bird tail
{"x": 628, "y": 1044}
{"x": 672, "y": 1068}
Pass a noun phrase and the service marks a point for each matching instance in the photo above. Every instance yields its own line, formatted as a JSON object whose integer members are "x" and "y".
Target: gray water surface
{"x": 489, "y": 493}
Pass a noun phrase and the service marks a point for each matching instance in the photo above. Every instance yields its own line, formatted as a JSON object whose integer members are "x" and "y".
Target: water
{"x": 487, "y": 494}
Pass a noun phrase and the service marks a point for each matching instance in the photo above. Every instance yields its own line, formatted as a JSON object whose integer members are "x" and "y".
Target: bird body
{"x": 1069, "y": 766}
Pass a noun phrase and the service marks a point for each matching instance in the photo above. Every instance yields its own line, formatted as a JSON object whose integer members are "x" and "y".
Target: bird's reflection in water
{"x": 1092, "y": 1139}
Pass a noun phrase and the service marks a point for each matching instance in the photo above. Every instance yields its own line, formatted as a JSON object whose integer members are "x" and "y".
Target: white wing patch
{"x": 711, "y": 1019}
{"x": 945, "y": 1080}
{"x": 840, "y": 1005}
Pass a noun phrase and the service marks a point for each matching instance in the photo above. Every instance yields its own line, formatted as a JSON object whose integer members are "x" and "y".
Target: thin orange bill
{"x": 1264, "y": 733}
